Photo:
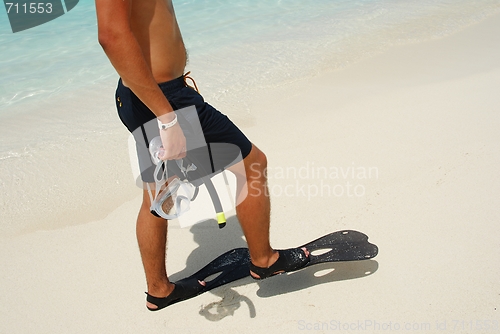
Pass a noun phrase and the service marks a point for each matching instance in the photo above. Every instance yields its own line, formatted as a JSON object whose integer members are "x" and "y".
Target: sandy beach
{"x": 409, "y": 142}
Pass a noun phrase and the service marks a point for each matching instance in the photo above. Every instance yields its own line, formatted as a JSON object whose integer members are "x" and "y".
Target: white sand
{"x": 425, "y": 117}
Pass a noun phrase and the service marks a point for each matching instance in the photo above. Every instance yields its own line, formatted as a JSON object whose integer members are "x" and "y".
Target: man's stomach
{"x": 168, "y": 62}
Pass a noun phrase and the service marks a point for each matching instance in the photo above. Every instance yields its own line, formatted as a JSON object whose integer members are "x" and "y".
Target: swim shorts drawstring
{"x": 186, "y": 76}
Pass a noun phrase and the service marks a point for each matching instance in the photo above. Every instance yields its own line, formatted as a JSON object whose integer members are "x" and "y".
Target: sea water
{"x": 63, "y": 151}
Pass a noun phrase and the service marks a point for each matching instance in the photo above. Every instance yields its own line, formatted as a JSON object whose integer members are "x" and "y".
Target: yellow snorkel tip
{"x": 221, "y": 219}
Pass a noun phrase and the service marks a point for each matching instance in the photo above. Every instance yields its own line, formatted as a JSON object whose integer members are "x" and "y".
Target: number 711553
{"x": 29, "y": 8}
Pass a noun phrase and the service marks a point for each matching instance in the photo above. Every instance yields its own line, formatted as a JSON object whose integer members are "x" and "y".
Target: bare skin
{"x": 143, "y": 42}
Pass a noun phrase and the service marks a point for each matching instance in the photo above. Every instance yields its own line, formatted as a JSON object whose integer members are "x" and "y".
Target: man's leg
{"x": 254, "y": 207}
{"x": 152, "y": 238}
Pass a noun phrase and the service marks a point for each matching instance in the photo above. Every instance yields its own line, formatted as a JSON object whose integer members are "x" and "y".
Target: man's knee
{"x": 256, "y": 163}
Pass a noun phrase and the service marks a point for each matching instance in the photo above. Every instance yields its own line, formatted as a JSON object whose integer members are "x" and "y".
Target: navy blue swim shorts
{"x": 217, "y": 129}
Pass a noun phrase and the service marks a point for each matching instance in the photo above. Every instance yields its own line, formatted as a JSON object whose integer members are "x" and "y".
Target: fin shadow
{"x": 315, "y": 275}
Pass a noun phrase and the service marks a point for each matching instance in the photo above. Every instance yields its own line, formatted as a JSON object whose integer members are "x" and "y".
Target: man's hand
{"x": 174, "y": 143}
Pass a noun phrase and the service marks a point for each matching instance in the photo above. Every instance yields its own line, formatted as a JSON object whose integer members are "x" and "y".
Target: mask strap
{"x": 159, "y": 182}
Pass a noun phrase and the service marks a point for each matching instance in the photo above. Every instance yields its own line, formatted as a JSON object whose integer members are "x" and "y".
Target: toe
{"x": 151, "y": 306}
{"x": 306, "y": 252}
{"x": 254, "y": 275}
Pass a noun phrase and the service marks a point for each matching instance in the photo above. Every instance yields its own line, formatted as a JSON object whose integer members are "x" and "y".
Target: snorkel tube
{"x": 221, "y": 217}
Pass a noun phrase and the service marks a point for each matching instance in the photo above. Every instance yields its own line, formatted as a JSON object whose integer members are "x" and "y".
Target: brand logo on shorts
{"x": 28, "y": 14}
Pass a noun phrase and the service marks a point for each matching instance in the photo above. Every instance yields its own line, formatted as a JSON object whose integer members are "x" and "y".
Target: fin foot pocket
{"x": 289, "y": 260}
{"x": 184, "y": 289}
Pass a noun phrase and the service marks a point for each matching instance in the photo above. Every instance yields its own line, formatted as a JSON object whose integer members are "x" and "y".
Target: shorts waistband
{"x": 172, "y": 85}
{"x": 167, "y": 87}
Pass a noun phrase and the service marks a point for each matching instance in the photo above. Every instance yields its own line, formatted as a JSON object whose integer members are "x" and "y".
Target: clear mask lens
{"x": 174, "y": 200}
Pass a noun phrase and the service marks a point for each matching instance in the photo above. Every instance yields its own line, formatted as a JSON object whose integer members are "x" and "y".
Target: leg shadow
{"x": 212, "y": 242}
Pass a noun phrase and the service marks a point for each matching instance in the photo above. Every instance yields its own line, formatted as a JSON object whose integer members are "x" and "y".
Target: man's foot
{"x": 183, "y": 289}
{"x": 288, "y": 260}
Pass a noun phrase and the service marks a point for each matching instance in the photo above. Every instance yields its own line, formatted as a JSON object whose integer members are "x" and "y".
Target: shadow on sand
{"x": 214, "y": 242}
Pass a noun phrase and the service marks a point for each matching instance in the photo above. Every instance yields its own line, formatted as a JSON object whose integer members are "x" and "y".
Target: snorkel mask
{"x": 177, "y": 195}
{"x": 174, "y": 195}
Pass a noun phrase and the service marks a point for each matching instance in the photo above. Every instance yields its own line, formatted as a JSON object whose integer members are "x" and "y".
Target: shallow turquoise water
{"x": 61, "y": 142}
{"x": 277, "y": 36}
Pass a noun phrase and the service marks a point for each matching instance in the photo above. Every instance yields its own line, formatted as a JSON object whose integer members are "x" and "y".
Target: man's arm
{"x": 125, "y": 54}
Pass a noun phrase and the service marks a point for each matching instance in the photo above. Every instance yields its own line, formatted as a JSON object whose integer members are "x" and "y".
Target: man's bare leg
{"x": 254, "y": 210}
{"x": 253, "y": 213}
{"x": 152, "y": 238}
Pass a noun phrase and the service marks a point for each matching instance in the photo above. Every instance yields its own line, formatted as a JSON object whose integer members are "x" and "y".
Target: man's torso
{"x": 155, "y": 27}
